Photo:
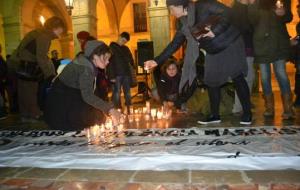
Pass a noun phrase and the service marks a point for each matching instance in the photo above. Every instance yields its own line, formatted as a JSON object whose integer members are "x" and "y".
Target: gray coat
{"x": 81, "y": 74}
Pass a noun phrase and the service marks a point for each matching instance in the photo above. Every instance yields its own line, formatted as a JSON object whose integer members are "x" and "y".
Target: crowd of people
{"x": 228, "y": 41}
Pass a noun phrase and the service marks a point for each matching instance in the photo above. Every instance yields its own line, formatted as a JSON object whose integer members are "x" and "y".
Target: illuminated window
{"x": 140, "y": 17}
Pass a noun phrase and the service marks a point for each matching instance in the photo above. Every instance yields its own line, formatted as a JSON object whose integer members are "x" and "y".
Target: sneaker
{"x": 209, "y": 120}
{"x": 246, "y": 120}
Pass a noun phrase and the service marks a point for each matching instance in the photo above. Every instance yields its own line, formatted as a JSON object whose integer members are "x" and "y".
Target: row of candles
{"x": 147, "y": 112}
{"x": 105, "y": 132}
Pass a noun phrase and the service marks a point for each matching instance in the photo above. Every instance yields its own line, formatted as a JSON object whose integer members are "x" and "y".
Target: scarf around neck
{"x": 192, "y": 49}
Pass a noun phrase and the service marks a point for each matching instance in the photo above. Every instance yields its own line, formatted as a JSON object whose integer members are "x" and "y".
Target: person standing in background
{"x": 272, "y": 46}
{"x": 241, "y": 21}
{"x": 31, "y": 64}
{"x": 54, "y": 59}
{"x": 119, "y": 72}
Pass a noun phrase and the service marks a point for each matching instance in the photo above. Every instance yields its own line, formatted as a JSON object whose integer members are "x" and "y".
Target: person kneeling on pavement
{"x": 71, "y": 103}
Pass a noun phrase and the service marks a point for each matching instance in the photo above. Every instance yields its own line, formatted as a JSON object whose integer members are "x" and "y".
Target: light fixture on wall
{"x": 42, "y": 20}
{"x": 69, "y": 6}
{"x": 156, "y": 2}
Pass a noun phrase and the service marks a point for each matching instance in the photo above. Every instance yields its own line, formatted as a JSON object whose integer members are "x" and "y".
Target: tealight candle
{"x": 153, "y": 113}
{"x": 147, "y": 117}
{"x": 130, "y": 118}
{"x": 148, "y": 106}
{"x": 145, "y": 110}
{"x": 159, "y": 115}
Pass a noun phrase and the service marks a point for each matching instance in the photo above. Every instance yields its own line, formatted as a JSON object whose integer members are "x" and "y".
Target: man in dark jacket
{"x": 119, "y": 69}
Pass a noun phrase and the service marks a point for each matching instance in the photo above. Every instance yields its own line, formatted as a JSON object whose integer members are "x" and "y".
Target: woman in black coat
{"x": 225, "y": 56}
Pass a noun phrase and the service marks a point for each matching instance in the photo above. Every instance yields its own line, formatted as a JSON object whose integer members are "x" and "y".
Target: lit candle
{"x": 279, "y": 4}
{"x": 148, "y": 106}
{"x": 147, "y": 117}
{"x": 153, "y": 113}
{"x": 145, "y": 110}
{"x": 137, "y": 119}
{"x": 159, "y": 115}
{"x": 136, "y": 111}
{"x": 130, "y": 118}
{"x": 131, "y": 110}
{"x": 120, "y": 128}
{"x": 88, "y": 134}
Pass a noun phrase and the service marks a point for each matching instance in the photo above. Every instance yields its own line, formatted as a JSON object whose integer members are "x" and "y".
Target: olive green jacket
{"x": 270, "y": 38}
{"x": 34, "y": 48}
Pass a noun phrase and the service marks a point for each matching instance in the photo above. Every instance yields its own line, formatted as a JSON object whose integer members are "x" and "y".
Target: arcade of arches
{"x": 104, "y": 19}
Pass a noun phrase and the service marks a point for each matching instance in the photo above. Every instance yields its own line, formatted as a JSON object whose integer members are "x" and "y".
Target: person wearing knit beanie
{"x": 82, "y": 37}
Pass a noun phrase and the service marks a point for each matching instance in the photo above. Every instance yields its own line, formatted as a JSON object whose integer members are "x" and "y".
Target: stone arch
{"x": 31, "y": 10}
{"x": 21, "y": 16}
{"x": 109, "y": 13}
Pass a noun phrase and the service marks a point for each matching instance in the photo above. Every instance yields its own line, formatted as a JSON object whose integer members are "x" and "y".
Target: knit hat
{"x": 83, "y": 35}
{"x": 177, "y": 2}
{"x": 90, "y": 46}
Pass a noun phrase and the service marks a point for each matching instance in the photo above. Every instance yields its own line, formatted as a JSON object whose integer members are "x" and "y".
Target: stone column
{"x": 84, "y": 18}
{"x": 12, "y": 33}
{"x": 159, "y": 25}
{"x": 67, "y": 45}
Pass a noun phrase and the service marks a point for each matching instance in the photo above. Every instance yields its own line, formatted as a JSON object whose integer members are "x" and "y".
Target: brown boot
{"x": 269, "y": 105}
{"x": 287, "y": 103}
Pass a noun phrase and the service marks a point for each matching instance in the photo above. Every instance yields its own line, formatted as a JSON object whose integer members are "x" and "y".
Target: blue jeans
{"x": 280, "y": 74}
{"x": 124, "y": 82}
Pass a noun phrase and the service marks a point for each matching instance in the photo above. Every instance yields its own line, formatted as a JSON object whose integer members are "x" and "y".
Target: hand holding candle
{"x": 150, "y": 64}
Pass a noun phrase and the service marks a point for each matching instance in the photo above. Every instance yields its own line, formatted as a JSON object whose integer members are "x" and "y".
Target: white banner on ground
{"x": 253, "y": 148}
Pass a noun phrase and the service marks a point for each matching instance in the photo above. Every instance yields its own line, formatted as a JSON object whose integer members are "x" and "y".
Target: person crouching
{"x": 71, "y": 103}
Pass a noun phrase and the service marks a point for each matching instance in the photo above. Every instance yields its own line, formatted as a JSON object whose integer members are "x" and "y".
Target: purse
{"x": 199, "y": 29}
{"x": 29, "y": 71}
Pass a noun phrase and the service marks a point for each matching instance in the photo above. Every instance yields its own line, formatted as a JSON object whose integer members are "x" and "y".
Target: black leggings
{"x": 243, "y": 93}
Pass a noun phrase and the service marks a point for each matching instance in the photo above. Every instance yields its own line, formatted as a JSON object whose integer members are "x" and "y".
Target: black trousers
{"x": 243, "y": 93}
{"x": 66, "y": 110}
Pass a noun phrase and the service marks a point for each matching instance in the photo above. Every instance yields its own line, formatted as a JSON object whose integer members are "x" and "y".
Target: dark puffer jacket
{"x": 119, "y": 64}
{"x": 168, "y": 87}
{"x": 271, "y": 39}
{"x": 225, "y": 32}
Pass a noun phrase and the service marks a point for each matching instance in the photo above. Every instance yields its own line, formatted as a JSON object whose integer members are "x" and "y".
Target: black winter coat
{"x": 225, "y": 32}
{"x": 119, "y": 64}
{"x": 168, "y": 87}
